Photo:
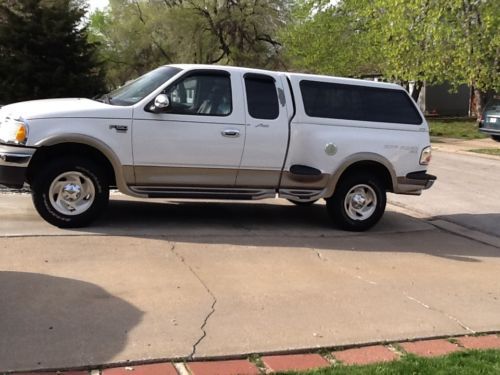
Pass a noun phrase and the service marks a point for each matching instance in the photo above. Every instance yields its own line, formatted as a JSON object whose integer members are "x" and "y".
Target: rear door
{"x": 266, "y": 130}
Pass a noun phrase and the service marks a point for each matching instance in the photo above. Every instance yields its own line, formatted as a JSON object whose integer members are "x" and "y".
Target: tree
{"x": 436, "y": 41}
{"x": 330, "y": 38}
{"x": 44, "y": 52}
{"x": 138, "y": 35}
{"x": 415, "y": 41}
{"x": 475, "y": 52}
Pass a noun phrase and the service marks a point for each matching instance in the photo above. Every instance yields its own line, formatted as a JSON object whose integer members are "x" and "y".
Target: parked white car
{"x": 194, "y": 131}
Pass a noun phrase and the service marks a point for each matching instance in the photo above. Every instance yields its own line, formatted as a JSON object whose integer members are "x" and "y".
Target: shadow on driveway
{"x": 486, "y": 223}
{"x": 264, "y": 224}
{"x": 41, "y": 315}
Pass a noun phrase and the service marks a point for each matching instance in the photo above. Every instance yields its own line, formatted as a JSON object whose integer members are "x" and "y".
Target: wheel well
{"x": 369, "y": 166}
{"x": 45, "y": 153}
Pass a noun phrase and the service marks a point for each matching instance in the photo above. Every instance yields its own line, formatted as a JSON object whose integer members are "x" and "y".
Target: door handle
{"x": 232, "y": 133}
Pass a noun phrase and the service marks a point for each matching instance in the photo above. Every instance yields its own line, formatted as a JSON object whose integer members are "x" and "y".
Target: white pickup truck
{"x": 216, "y": 132}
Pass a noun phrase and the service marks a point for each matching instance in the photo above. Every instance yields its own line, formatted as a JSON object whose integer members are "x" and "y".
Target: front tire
{"x": 358, "y": 202}
{"x": 70, "y": 193}
{"x": 496, "y": 138}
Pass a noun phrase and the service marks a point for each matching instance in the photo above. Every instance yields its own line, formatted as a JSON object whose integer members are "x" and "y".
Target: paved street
{"x": 466, "y": 192}
{"x": 175, "y": 279}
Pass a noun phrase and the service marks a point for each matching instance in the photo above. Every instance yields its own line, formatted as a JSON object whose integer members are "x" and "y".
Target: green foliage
{"x": 330, "y": 39}
{"x": 402, "y": 40}
{"x": 455, "y": 129}
{"x": 474, "y": 42}
{"x": 487, "y": 151}
{"x": 44, "y": 52}
{"x": 139, "y": 34}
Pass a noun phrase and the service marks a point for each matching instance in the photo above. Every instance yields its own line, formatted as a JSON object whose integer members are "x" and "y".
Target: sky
{"x": 97, "y": 4}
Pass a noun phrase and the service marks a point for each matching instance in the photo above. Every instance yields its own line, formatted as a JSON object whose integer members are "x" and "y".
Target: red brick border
{"x": 365, "y": 355}
{"x": 151, "y": 369}
{"x": 429, "y": 348}
{"x": 480, "y": 342}
{"x": 289, "y": 362}
{"x": 294, "y": 362}
{"x": 234, "y": 367}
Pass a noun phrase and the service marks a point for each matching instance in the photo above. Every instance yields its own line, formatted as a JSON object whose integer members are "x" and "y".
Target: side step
{"x": 204, "y": 193}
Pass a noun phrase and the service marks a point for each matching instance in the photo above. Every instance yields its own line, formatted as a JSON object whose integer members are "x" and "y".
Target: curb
{"x": 268, "y": 364}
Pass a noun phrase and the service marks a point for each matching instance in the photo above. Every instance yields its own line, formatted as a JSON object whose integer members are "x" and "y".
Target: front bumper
{"x": 413, "y": 183}
{"x": 14, "y": 162}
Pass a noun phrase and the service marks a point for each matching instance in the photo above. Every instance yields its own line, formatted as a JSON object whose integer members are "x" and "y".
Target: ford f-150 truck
{"x": 217, "y": 132}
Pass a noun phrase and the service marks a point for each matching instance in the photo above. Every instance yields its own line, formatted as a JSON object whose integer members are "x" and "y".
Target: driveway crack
{"x": 319, "y": 255}
{"x": 451, "y": 317}
{"x": 212, "y": 295}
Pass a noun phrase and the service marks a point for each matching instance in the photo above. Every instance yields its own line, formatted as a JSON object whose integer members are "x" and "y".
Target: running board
{"x": 205, "y": 193}
{"x": 301, "y": 195}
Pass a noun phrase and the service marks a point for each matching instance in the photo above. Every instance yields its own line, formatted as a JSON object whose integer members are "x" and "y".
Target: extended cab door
{"x": 266, "y": 130}
{"x": 198, "y": 140}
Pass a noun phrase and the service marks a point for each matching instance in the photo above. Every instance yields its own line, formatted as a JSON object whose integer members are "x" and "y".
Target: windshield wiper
{"x": 103, "y": 99}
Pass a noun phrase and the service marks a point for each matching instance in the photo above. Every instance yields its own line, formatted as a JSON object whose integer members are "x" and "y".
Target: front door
{"x": 198, "y": 140}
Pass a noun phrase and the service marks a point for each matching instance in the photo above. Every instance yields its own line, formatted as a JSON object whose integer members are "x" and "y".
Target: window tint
{"x": 262, "y": 97}
{"x": 201, "y": 94}
{"x": 332, "y": 100}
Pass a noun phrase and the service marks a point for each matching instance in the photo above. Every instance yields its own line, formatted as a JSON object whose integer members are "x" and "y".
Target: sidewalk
{"x": 463, "y": 146}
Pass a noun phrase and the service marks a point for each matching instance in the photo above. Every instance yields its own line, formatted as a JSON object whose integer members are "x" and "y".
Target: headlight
{"x": 425, "y": 156}
{"x": 13, "y": 130}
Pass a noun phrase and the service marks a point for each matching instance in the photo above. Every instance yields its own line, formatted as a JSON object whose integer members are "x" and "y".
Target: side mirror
{"x": 161, "y": 102}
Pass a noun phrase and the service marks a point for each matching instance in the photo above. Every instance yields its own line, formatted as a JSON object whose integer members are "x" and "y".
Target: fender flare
{"x": 357, "y": 158}
{"x": 123, "y": 176}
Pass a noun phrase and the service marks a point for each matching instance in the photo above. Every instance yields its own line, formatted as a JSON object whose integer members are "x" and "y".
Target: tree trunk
{"x": 417, "y": 87}
{"x": 478, "y": 101}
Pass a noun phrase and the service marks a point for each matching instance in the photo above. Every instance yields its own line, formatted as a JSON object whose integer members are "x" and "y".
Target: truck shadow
{"x": 64, "y": 322}
{"x": 280, "y": 225}
{"x": 486, "y": 223}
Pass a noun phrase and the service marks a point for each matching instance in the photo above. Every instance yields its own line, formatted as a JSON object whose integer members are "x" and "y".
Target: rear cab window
{"x": 262, "y": 97}
{"x": 360, "y": 103}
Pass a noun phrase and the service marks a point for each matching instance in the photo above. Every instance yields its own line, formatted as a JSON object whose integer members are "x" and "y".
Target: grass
{"x": 468, "y": 362}
{"x": 488, "y": 151}
{"x": 455, "y": 129}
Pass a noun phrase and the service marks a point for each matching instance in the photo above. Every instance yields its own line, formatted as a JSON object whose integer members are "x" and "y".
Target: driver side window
{"x": 202, "y": 95}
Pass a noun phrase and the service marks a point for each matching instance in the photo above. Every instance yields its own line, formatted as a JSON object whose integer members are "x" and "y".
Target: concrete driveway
{"x": 183, "y": 279}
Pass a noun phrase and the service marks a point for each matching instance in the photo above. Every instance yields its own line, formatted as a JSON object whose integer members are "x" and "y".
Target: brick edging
{"x": 256, "y": 364}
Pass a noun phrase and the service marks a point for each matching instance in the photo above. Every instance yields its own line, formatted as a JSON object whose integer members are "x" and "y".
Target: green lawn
{"x": 468, "y": 362}
{"x": 488, "y": 151}
{"x": 455, "y": 129}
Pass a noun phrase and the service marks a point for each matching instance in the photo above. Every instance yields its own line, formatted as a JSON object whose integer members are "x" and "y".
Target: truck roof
{"x": 299, "y": 76}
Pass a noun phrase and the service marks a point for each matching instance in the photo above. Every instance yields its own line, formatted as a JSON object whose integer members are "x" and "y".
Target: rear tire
{"x": 70, "y": 193}
{"x": 358, "y": 202}
{"x": 496, "y": 138}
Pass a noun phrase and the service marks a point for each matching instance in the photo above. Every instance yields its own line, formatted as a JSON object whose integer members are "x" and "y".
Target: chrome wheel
{"x": 72, "y": 193}
{"x": 360, "y": 202}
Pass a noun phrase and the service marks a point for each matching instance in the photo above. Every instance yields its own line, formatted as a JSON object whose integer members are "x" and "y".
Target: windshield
{"x": 493, "y": 105}
{"x": 141, "y": 87}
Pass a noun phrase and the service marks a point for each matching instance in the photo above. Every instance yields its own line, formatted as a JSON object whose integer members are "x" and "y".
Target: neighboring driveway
{"x": 467, "y": 191}
{"x": 175, "y": 279}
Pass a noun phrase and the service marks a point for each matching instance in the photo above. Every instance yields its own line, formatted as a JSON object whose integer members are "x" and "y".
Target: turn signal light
{"x": 426, "y": 156}
{"x": 21, "y": 134}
